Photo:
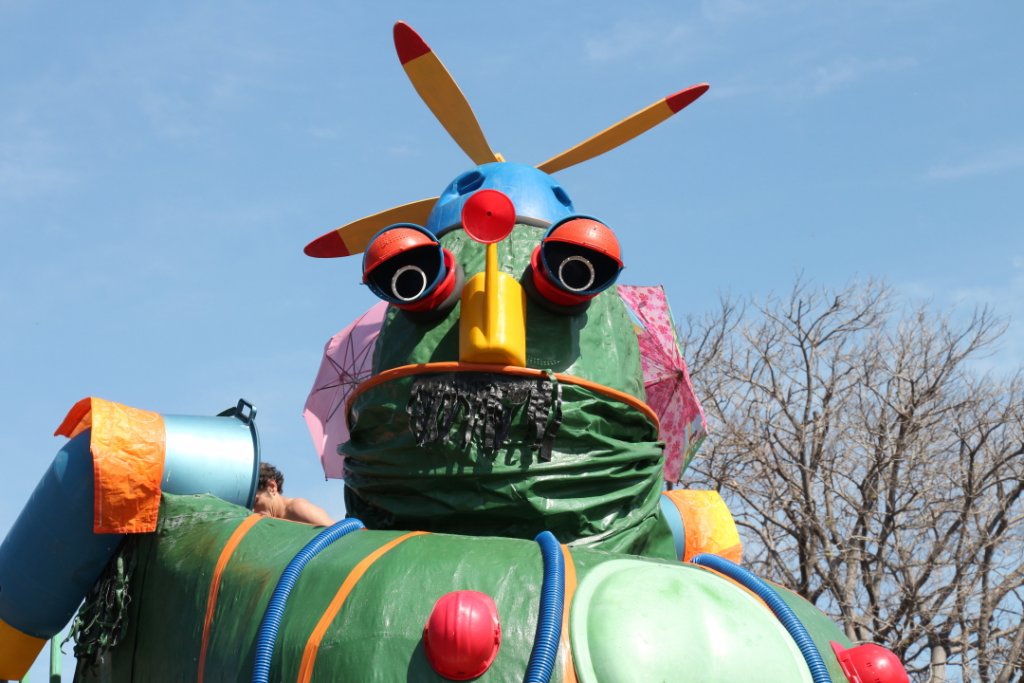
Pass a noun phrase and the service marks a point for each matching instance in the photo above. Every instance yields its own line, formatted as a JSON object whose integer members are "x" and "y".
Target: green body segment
{"x": 632, "y": 619}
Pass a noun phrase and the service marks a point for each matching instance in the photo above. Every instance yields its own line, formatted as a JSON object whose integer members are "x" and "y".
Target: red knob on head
{"x": 462, "y": 635}
{"x": 488, "y": 216}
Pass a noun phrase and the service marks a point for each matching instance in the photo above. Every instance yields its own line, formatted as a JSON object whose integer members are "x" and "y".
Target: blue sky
{"x": 162, "y": 166}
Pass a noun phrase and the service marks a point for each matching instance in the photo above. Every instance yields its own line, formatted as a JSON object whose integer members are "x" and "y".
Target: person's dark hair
{"x": 268, "y": 472}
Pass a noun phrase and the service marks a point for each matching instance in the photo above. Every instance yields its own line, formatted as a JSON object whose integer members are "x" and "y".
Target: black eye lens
{"x": 578, "y": 259}
{"x": 406, "y": 277}
{"x": 408, "y": 283}
{"x": 406, "y": 266}
{"x": 578, "y": 269}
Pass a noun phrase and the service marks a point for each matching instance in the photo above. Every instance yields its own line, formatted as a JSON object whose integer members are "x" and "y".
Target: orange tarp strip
{"x": 128, "y": 449}
{"x": 313, "y": 644}
{"x": 565, "y": 647}
{"x": 454, "y": 366}
{"x": 218, "y": 571}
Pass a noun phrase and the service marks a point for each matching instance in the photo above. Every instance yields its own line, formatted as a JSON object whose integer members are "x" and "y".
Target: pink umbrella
{"x": 348, "y": 360}
{"x": 666, "y": 379}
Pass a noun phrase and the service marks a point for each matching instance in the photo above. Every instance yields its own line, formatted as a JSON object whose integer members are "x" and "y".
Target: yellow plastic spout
{"x": 492, "y": 327}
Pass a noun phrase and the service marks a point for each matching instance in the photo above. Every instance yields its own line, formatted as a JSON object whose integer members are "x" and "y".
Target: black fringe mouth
{"x": 481, "y": 407}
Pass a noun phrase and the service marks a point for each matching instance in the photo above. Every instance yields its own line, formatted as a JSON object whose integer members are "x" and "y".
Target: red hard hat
{"x": 870, "y": 663}
{"x": 462, "y": 635}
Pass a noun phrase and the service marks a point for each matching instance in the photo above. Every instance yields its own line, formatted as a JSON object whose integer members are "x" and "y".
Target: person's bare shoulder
{"x": 301, "y": 510}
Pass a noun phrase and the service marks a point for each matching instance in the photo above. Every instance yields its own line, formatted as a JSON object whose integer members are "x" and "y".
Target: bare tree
{"x": 874, "y": 468}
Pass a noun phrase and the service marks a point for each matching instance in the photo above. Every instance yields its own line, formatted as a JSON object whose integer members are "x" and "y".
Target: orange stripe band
{"x": 454, "y": 366}
{"x": 218, "y": 572}
{"x": 313, "y": 644}
{"x": 568, "y": 668}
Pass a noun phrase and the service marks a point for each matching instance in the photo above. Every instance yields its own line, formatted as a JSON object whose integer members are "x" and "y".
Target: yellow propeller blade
{"x": 625, "y": 130}
{"x": 439, "y": 91}
{"x": 354, "y": 237}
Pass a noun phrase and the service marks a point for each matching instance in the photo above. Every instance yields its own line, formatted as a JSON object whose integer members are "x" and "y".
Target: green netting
{"x": 102, "y": 619}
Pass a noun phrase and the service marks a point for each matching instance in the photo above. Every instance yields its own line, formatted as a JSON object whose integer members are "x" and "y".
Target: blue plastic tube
{"x": 785, "y": 615}
{"x": 266, "y": 636}
{"x": 549, "y": 619}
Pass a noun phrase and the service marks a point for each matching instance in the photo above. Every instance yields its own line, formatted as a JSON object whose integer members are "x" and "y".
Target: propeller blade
{"x": 352, "y": 238}
{"x": 625, "y": 130}
{"x": 439, "y": 91}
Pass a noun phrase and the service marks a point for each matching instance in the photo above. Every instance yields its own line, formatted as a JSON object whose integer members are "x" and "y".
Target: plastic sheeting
{"x": 600, "y": 487}
{"x": 375, "y": 638}
{"x": 128, "y": 449}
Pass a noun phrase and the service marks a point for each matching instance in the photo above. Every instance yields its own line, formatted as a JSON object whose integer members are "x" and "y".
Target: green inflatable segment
{"x": 634, "y": 621}
{"x": 375, "y": 638}
{"x": 631, "y": 620}
{"x": 598, "y": 344}
{"x": 600, "y": 488}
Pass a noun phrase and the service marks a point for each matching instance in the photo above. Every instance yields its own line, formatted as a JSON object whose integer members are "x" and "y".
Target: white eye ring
{"x": 423, "y": 287}
{"x": 590, "y": 267}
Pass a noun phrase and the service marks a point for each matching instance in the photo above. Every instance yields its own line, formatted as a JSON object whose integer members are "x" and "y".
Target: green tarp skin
{"x": 377, "y": 635}
{"x": 601, "y": 486}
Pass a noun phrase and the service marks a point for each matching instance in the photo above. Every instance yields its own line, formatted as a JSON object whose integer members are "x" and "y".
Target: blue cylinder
{"x": 218, "y": 455}
{"x": 51, "y": 557}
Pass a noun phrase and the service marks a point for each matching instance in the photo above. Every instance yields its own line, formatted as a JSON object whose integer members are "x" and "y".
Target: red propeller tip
{"x": 408, "y": 43}
{"x": 327, "y": 246}
{"x": 683, "y": 98}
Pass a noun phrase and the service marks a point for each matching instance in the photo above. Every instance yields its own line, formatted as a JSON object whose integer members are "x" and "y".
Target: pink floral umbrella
{"x": 666, "y": 379}
{"x": 348, "y": 360}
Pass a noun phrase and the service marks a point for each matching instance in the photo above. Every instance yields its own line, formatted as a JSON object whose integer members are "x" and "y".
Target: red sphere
{"x": 870, "y": 663}
{"x": 462, "y": 635}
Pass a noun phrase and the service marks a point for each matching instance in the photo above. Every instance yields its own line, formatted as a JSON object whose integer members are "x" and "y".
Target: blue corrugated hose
{"x": 266, "y": 637}
{"x": 549, "y": 619}
{"x": 785, "y": 615}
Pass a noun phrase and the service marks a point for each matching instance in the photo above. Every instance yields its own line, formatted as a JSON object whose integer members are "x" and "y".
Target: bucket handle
{"x": 243, "y": 410}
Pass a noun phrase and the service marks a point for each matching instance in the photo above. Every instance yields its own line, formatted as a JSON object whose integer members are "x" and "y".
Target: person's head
{"x": 268, "y": 490}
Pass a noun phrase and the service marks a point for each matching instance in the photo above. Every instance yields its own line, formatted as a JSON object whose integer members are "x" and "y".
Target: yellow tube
{"x": 492, "y": 325}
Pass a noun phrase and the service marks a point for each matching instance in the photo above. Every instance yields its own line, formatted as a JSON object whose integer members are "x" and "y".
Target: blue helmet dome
{"x": 538, "y": 198}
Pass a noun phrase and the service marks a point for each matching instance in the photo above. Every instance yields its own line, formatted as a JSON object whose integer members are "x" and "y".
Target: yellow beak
{"x": 492, "y": 326}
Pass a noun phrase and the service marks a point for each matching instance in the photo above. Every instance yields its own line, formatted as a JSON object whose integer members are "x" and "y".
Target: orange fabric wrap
{"x": 708, "y": 524}
{"x": 128, "y": 449}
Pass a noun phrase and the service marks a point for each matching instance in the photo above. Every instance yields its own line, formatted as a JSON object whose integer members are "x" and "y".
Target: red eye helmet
{"x": 578, "y": 259}
{"x": 406, "y": 266}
